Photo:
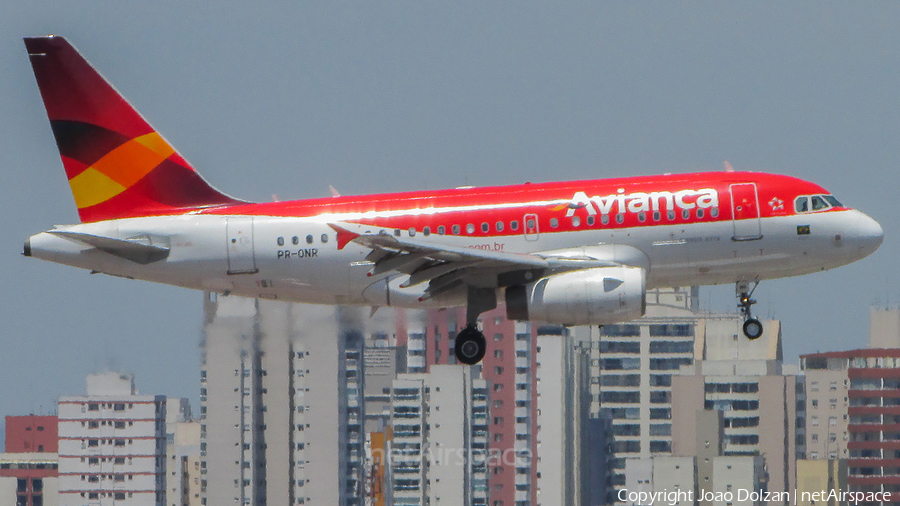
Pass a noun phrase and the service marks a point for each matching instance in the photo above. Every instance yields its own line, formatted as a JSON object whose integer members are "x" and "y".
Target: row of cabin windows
{"x": 530, "y": 224}
{"x": 309, "y": 240}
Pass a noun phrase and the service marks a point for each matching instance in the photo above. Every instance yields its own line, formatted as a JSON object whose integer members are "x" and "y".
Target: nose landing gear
{"x": 753, "y": 329}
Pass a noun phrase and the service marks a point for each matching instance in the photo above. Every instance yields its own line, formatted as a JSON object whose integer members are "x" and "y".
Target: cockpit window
{"x": 833, "y": 201}
{"x": 819, "y": 203}
{"x": 811, "y": 203}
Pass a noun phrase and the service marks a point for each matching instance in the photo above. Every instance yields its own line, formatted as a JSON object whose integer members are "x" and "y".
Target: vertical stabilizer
{"x": 118, "y": 166}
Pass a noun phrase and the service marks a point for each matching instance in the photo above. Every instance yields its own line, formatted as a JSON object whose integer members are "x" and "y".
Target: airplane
{"x": 571, "y": 253}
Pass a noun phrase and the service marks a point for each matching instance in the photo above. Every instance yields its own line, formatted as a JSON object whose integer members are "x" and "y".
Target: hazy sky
{"x": 289, "y": 97}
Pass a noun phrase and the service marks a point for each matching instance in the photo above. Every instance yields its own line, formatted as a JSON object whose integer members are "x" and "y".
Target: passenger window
{"x": 591, "y": 220}
{"x": 426, "y": 231}
{"x": 656, "y": 216}
{"x": 485, "y": 227}
{"x": 604, "y": 219}
{"x": 309, "y": 239}
{"x": 620, "y": 218}
{"x": 324, "y": 238}
{"x": 576, "y": 221}
{"x": 499, "y": 226}
{"x": 281, "y": 241}
{"x": 397, "y": 232}
{"x": 530, "y": 224}
{"x": 685, "y": 213}
{"x": 714, "y": 212}
{"x": 670, "y": 215}
{"x": 801, "y": 204}
{"x": 441, "y": 230}
{"x": 700, "y": 213}
{"x": 295, "y": 240}
{"x": 514, "y": 225}
{"x": 455, "y": 229}
{"x": 470, "y": 228}
{"x": 412, "y": 231}
{"x": 554, "y": 222}
{"x": 818, "y": 203}
{"x": 642, "y": 217}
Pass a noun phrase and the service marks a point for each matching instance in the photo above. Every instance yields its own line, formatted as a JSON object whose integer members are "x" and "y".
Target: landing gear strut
{"x": 471, "y": 345}
{"x": 753, "y": 329}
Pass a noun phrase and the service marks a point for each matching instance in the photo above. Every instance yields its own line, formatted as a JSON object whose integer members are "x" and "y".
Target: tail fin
{"x": 118, "y": 166}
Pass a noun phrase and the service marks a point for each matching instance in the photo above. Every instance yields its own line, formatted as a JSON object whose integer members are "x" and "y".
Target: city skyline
{"x": 385, "y": 98}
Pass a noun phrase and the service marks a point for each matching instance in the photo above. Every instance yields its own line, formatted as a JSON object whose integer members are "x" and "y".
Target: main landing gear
{"x": 753, "y": 329}
{"x": 471, "y": 345}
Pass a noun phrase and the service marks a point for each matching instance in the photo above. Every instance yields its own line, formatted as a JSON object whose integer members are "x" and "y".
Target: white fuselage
{"x": 298, "y": 259}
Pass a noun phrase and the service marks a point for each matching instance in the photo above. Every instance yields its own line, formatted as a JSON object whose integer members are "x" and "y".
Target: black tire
{"x": 470, "y": 346}
{"x": 753, "y": 329}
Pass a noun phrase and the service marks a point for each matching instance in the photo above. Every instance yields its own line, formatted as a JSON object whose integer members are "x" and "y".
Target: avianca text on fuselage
{"x": 147, "y": 214}
{"x": 639, "y": 202}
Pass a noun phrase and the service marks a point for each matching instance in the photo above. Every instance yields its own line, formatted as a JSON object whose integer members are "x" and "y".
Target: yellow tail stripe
{"x": 92, "y": 187}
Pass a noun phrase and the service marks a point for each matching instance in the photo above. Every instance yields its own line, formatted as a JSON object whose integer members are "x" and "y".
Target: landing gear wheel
{"x": 753, "y": 329}
{"x": 470, "y": 346}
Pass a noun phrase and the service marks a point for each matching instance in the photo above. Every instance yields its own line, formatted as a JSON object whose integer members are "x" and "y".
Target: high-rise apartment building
{"x": 509, "y": 369}
{"x": 112, "y": 444}
{"x": 563, "y": 421}
{"x": 632, "y": 365}
{"x": 282, "y": 403}
{"x": 757, "y": 393}
{"x": 853, "y": 413}
{"x": 439, "y": 438}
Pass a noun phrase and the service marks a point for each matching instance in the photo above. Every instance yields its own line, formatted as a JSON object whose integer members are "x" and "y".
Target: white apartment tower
{"x": 563, "y": 403}
{"x": 112, "y": 445}
{"x": 282, "y": 406}
{"x": 439, "y": 452}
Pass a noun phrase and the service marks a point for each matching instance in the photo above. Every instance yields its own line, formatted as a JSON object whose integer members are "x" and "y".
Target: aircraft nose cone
{"x": 869, "y": 234}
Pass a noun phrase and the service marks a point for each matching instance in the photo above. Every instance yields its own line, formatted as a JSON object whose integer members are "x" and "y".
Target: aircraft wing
{"x": 445, "y": 267}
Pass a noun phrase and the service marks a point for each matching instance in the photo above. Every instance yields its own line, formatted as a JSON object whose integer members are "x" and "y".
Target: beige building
{"x": 884, "y": 327}
{"x": 184, "y": 478}
{"x": 827, "y": 420}
{"x": 819, "y": 479}
{"x": 756, "y": 393}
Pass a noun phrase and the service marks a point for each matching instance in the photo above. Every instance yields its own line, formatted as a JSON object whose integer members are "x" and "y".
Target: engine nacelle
{"x": 586, "y": 297}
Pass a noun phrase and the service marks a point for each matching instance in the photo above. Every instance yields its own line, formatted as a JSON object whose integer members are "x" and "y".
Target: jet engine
{"x": 584, "y": 297}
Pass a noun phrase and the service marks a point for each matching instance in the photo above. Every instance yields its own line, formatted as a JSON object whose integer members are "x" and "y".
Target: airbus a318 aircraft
{"x": 574, "y": 253}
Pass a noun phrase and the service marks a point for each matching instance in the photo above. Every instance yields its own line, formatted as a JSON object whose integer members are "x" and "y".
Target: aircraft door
{"x": 745, "y": 212}
{"x": 239, "y": 244}
{"x": 530, "y": 226}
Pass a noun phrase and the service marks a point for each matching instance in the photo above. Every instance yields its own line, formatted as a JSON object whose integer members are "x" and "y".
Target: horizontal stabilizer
{"x": 129, "y": 250}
